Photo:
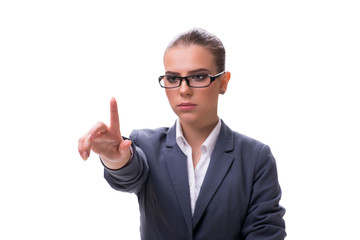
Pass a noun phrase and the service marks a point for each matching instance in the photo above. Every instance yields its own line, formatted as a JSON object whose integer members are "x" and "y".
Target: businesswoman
{"x": 197, "y": 179}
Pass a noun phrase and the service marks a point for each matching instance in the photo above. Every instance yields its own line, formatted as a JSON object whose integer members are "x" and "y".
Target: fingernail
{"x": 85, "y": 156}
{"x": 128, "y": 142}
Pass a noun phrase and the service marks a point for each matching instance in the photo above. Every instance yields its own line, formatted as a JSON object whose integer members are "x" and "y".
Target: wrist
{"x": 116, "y": 164}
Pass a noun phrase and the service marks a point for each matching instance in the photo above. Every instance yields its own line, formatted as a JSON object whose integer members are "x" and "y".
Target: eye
{"x": 198, "y": 77}
{"x": 172, "y": 79}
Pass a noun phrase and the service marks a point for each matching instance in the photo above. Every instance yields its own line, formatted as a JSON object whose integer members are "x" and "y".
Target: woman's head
{"x": 202, "y": 38}
{"x": 193, "y": 54}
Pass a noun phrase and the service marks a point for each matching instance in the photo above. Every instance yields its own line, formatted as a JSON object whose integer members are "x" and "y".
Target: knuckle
{"x": 96, "y": 127}
{"x": 99, "y": 123}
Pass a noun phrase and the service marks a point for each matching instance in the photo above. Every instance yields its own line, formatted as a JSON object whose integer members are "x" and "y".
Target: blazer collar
{"x": 177, "y": 167}
{"x": 171, "y": 136}
{"x": 221, "y": 160}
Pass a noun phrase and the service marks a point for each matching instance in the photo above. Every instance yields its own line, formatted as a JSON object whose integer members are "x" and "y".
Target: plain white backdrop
{"x": 295, "y": 86}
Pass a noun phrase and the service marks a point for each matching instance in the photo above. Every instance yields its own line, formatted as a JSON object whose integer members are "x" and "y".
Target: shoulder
{"x": 149, "y": 134}
{"x": 254, "y": 157}
{"x": 245, "y": 146}
{"x": 150, "y": 141}
{"x": 241, "y": 140}
{"x": 244, "y": 140}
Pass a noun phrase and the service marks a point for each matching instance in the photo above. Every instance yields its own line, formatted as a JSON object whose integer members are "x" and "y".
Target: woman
{"x": 197, "y": 179}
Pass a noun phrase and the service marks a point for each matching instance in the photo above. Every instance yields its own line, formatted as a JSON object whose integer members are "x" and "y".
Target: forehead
{"x": 183, "y": 59}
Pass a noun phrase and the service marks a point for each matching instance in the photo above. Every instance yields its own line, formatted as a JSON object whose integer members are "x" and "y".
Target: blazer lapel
{"x": 177, "y": 166}
{"x": 221, "y": 160}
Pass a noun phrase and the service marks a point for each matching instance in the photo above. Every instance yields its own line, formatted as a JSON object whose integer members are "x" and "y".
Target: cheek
{"x": 211, "y": 98}
{"x": 211, "y": 94}
{"x": 171, "y": 96}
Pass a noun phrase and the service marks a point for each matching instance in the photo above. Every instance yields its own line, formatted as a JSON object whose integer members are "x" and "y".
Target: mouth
{"x": 186, "y": 106}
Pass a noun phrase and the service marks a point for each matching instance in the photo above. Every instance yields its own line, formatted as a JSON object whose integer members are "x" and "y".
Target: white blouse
{"x": 197, "y": 175}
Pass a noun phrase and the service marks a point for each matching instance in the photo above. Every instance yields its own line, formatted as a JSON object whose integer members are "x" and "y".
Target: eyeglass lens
{"x": 200, "y": 80}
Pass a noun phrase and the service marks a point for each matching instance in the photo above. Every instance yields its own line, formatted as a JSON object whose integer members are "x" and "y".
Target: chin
{"x": 188, "y": 117}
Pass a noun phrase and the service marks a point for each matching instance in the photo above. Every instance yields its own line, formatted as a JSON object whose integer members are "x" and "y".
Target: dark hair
{"x": 201, "y": 37}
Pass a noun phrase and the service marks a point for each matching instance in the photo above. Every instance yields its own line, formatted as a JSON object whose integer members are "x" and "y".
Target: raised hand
{"x": 106, "y": 141}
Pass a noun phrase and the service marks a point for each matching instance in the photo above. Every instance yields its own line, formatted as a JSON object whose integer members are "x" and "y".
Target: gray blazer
{"x": 239, "y": 198}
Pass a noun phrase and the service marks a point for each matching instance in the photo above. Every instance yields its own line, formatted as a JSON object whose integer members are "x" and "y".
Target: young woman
{"x": 197, "y": 179}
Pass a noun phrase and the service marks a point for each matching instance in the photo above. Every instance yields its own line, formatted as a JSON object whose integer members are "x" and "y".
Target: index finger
{"x": 114, "y": 115}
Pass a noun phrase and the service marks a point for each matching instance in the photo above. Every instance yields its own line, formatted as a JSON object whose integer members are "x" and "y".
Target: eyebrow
{"x": 199, "y": 70}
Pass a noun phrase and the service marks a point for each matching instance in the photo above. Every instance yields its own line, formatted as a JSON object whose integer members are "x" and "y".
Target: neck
{"x": 195, "y": 135}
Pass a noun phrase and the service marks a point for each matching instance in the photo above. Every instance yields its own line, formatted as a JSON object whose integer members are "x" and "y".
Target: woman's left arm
{"x": 265, "y": 215}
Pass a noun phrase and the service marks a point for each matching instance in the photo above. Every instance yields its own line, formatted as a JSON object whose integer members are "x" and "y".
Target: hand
{"x": 106, "y": 141}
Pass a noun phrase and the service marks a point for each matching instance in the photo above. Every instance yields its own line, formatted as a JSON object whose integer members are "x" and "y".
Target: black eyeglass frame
{"x": 212, "y": 78}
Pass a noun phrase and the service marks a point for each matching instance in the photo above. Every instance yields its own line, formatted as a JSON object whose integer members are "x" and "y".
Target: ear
{"x": 224, "y": 82}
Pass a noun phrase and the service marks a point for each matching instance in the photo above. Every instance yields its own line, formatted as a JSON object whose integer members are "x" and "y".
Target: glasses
{"x": 194, "y": 81}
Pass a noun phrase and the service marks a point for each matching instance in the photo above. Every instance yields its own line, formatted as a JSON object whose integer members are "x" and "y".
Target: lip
{"x": 186, "y": 106}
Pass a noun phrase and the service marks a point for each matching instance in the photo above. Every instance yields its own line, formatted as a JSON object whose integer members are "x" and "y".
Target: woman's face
{"x": 194, "y": 105}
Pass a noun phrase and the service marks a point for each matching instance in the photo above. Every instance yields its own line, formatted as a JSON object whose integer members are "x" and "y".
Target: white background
{"x": 295, "y": 86}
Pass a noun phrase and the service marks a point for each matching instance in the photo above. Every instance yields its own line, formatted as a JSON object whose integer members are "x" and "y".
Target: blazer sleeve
{"x": 132, "y": 176}
{"x": 265, "y": 215}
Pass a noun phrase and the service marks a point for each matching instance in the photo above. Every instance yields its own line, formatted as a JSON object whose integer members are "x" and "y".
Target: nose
{"x": 184, "y": 89}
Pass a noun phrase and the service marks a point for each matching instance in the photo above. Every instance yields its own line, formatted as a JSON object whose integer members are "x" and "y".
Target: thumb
{"x": 124, "y": 147}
